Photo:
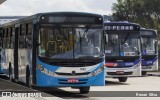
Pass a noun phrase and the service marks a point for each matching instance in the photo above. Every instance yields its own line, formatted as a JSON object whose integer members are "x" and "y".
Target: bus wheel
{"x": 144, "y": 73}
{"x": 84, "y": 90}
{"x": 28, "y": 83}
{"x": 122, "y": 79}
{"x": 10, "y": 72}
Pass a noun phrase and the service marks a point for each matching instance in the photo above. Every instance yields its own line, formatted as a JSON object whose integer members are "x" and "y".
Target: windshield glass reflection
{"x": 69, "y": 43}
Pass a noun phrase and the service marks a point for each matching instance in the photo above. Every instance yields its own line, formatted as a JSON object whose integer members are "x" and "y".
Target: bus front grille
{"x": 114, "y": 73}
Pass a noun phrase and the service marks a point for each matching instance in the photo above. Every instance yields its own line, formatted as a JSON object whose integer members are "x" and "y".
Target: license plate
{"x": 73, "y": 80}
{"x": 119, "y": 72}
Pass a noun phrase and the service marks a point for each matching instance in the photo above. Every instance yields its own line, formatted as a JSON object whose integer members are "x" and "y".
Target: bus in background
{"x": 149, "y": 45}
{"x": 0, "y": 46}
{"x": 3, "y": 20}
{"x": 122, "y": 50}
{"x": 61, "y": 49}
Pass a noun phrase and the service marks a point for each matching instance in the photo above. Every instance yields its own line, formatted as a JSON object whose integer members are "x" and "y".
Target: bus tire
{"x": 122, "y": 79}
{"x": 28, "y": 83}
{"x": 84, "y": 90}
{"x": 144, "y": 73}
{"x": 10, "y": 72}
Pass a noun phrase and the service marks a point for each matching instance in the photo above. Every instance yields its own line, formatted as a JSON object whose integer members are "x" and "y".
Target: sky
{"x": 30, "y": 7}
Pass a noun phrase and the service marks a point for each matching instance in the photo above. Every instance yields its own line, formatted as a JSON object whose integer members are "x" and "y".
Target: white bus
{"x": 122, "y": 50}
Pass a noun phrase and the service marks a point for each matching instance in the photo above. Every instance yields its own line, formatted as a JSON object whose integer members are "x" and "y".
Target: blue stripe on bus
{"x": 149, "y": 62}
{"x": 128, "y": 64}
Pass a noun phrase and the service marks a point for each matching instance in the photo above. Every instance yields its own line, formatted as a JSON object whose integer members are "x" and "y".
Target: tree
{"x": 144, "y": 12}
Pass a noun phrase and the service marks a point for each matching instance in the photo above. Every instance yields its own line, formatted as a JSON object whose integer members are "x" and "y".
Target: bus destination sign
{"x": 119, "y": 27}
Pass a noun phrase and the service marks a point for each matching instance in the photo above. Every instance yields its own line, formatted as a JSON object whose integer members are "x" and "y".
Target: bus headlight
{"x": 40, "y": 67}
{"x": 97, "y": 71}
{"x": 155, "y": 63}
{"x": 45, "y": 71}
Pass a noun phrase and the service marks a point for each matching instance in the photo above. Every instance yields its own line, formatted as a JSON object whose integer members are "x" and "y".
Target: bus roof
{"x": 154, "y": 32}
{"x": 37, "y": 16}
{"x": 144, "y": 29}
{"x": 71, "y": 13}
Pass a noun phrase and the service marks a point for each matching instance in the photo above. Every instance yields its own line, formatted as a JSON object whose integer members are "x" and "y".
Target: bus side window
{"x": 12, "y": 37}
{"x": 22, "y": 36}
{"x": 29, "y": 35}
{"x": 5, "y": 38}
{"x": 6, "y": 44}
{"x": 9, "y": 37}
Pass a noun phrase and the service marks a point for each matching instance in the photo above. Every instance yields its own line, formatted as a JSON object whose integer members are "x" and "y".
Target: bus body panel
{"x": 132, "y": 71}
{"x": 7, "y": 59}
{"x": 127, "y": 68}
{"x": 150, "y": 65}
{"x": 25, "y": 56}
{"x": 45, "y": 79}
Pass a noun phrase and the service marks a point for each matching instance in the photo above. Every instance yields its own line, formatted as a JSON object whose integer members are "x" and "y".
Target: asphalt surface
{"x": 150, "y": 82}
{"x": 6, "y": 85}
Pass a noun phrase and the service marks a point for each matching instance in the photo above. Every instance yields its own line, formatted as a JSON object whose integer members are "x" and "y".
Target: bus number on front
{"x": 83, "y": 69}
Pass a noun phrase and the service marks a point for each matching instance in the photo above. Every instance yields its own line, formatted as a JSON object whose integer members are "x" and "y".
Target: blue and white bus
{"x": 149, "y": 45}
{"x": 122, "y": 50}
{"x": 60, "y": 49}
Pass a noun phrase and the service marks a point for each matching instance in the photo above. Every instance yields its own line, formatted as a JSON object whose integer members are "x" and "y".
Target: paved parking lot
{"x": 146, "y": 83}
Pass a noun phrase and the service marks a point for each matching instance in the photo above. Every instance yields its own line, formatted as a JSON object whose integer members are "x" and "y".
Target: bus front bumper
{"x": 123, "y": 72}
{"x": 153, "y": 67}
{"x": 48, "y": 81}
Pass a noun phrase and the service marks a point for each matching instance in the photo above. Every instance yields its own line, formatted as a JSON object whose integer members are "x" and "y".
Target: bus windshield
{"x": 70, "y": 43}
{"x": 148, "y": 46}
{"x": 126, "y": 44}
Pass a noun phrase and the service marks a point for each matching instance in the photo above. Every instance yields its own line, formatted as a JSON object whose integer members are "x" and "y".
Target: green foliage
{"x": 144, "y": 12}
